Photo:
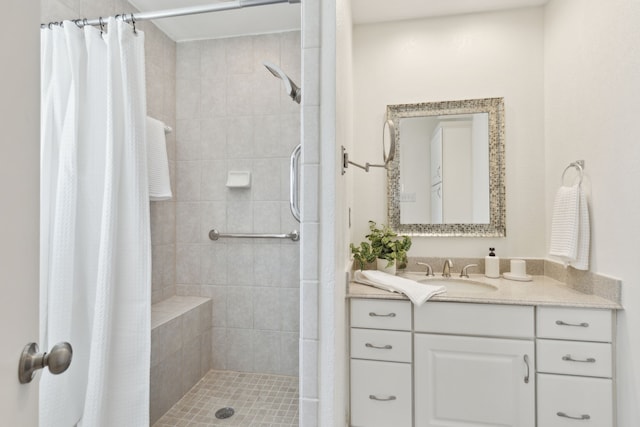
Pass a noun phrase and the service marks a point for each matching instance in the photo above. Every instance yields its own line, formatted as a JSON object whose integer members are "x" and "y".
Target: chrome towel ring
{"x": 579, "y": 165}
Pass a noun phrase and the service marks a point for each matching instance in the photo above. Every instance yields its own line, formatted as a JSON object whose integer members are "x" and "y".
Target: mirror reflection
{"x": 445, "y": 169}
{"x": 448, "y": 177}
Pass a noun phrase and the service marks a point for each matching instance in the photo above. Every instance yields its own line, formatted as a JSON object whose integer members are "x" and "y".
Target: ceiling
{"x": 286, "y": 17}
{"x": 369, "y": 11}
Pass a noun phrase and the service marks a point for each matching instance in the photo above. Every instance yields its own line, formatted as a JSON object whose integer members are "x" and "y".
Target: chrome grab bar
{"x": 294, "y": 190}
{"x": 294, "y": 235}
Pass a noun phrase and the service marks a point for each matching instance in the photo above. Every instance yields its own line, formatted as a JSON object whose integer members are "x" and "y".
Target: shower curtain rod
{"x": 170, "y": 13}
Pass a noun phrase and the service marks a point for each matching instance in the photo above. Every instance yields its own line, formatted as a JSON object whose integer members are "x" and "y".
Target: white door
{"x": 19, "y": 166}
{"x": 471, "y": 382}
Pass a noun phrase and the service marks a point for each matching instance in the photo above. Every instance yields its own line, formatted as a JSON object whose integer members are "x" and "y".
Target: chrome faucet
{"x": 429, "y": 269}
{"x": 446, "y": 269}
{"x": 464, "y": 272}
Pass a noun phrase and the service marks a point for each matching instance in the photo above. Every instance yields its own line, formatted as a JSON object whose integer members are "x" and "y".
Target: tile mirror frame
{"x": 497, "y": 204}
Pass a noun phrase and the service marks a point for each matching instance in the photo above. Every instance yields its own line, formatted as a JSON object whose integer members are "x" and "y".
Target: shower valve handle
{"x": 58, "y": 360}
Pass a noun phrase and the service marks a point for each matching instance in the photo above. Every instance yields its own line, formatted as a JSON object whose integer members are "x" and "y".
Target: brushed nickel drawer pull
{"x": 582, "y": 324}
{"x": 568, "y": 358}
{"x": 581, "y": 417}
{"x": 381, "y": 347}
{"x": 526, "y": 362}
{"x": 372, "y": 314}
{"x": 382, "y": 399}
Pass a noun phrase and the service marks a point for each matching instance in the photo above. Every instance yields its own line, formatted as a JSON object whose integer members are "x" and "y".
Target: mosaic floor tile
{"x": 259, "y": 400}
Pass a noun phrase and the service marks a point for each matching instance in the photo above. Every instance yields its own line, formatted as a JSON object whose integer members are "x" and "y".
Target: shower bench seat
{"x": 180, "y": 349}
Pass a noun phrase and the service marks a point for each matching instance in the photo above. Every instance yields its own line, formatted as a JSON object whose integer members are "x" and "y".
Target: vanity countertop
{"x": 541, "y": 290}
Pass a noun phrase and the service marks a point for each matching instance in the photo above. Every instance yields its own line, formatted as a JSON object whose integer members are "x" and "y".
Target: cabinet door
{"x": 470, "y": 381}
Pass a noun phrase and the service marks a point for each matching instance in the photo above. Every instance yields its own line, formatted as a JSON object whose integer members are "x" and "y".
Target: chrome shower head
{"x": 292, "y": 89}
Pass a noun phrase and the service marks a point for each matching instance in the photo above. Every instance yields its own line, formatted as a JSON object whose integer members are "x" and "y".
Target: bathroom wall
{"x": 160, "y": 57}
{"x": 497, "y": 54}
{"x": 343, "y": 193}
{"x": 233, "y": 115}
{"x": 316, "y": 361}
{"x": 592, "y": 82}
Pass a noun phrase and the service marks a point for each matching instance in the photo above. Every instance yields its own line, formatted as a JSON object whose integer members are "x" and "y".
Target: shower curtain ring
{"x": 101, "y": 22}
{"x": 133, "y": 22}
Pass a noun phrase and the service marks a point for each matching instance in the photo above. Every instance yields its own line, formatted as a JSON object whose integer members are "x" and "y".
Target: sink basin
{"x": 461, "y": 285}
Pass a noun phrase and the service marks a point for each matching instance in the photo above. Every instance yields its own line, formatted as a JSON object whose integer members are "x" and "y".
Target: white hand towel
{"x": 418, "y": 293}
{"x": 157, "y": 162}
{"x": 570, "y": 227}
{"x": 564, "y": 224}
{"x": 582, "y": 257}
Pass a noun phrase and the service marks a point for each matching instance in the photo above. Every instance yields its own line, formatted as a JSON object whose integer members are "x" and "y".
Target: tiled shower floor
{"x": 258, "y": 399}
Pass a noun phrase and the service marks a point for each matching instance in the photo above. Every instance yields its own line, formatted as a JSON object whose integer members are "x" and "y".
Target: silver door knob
{"x": 58, "y": 360}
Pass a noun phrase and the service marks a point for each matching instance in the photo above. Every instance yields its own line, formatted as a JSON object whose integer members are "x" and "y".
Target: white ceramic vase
{"x": 382, "y": 266}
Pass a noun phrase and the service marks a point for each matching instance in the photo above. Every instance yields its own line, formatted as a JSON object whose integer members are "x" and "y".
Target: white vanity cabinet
{"x": 448, "y": 364}
{"x": 575, "y": 367}
{"x": 381, "y": 355}
{"x": 485, "y": 375}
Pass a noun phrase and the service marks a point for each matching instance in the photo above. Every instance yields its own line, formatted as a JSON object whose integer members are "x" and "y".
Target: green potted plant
{"x": 385, "y": 246}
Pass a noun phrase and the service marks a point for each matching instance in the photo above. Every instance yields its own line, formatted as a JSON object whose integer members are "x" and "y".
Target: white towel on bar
{"x": 418, "y": 293}
{"x": 570, "y": 229}
{"x": 157, "y": 162}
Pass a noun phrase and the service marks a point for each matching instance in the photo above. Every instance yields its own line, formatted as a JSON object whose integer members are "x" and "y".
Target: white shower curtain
{"x": 95, "y": 242}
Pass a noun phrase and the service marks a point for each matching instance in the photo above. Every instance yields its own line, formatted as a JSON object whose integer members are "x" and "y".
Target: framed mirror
{"x": 447, "y": 177}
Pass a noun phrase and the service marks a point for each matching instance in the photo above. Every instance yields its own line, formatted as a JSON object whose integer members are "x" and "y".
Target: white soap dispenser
{"x": 492, "y": 265}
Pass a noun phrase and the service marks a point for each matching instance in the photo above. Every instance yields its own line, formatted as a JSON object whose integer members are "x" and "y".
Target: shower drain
{"x": 223, "y": 413}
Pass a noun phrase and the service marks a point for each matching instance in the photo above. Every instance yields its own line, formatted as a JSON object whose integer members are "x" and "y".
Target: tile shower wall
{"x": 160, "y": 57}
{"x": 233, "y": 115}
{"x": 317, "y": 168}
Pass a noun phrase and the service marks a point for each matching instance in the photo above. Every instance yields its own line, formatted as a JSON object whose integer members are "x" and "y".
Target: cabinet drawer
{"x": 475, "y": 319}
{"x": 381, "y": 314}
{"x": 561, "y": 397}
{"x": 380, "y": 394}
{"x": 574, "y": 358}
{"x": 580, "y": 324}
{"x": 394, "y": 346}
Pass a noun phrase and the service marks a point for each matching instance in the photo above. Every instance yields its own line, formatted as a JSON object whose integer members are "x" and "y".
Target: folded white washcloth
{"x": 157, "y": 161}
{"x": 570, "y": 227}
{"x": 418, "y": 293}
